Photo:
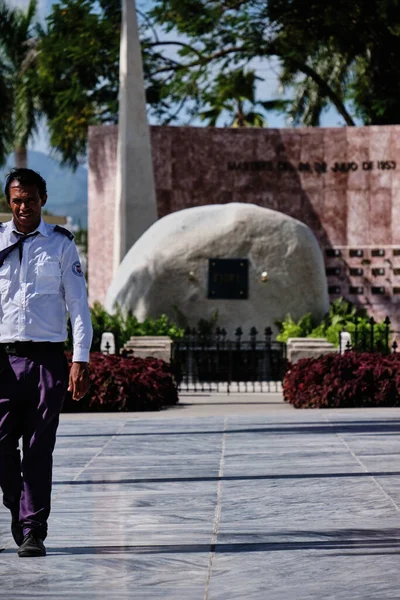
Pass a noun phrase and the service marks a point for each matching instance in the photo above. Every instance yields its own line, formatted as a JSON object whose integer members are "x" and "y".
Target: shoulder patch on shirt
{"x": 77, "y": 269}
{"x": 64, "y": 231}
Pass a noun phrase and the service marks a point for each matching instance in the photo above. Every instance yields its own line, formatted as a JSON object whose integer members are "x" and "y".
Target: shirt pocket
{"x": 5, "y": 279}
{"x": 48, "y": 278}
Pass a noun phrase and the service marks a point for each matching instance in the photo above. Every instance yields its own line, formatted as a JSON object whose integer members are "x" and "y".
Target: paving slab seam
{"x": 218, "y": 511}
{"x": 54, "y": 498}
{"x": 357, "y": 459}
{"x": 87, "y": 465}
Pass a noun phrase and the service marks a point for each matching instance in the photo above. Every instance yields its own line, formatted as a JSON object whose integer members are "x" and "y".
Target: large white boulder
{"x": 167, "y": 268}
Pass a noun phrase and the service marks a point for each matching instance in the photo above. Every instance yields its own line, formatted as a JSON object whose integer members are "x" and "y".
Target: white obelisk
{"x": 136, "y": 207}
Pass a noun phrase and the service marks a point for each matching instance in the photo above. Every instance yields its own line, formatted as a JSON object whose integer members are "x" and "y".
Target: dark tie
{"x": 22, "y": 237}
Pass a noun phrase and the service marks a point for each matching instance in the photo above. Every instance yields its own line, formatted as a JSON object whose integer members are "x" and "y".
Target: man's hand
{"x": 79, "y": 380}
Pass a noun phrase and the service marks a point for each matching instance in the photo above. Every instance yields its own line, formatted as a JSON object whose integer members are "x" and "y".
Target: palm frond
{"x": 251, "y": 119}
{"x": 309, "y": 103}
{"x": 30, "y": 14}
{"x": 25, "y": 113}
{"x": 211, "y": 116}
{"x": 278, "y": 104}
{"x": 18, "y": 52}
{"x": 6, "y": 119}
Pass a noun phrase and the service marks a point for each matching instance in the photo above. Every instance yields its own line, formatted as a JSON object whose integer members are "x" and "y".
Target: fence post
{"x": 238, "y": 335}
{"x": 192, "y": 358}
{"x": 253, "y": 337}
{"x": 176, "y": 363}
{"x": 229, "y": 365}
{"x": 253, "y": 364}
{"x": 387, "y": 334}
{"x": 364, "y": 339}
{"x": 267, "y": 359}
{"x": 356, "y": 332}
{"x": 372, "y": 323}
{"x": 217, "y": 353}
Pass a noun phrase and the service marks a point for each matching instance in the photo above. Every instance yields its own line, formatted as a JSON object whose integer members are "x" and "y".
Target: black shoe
{"x": 16, "y": 530}
{"x": 32, "y": 545}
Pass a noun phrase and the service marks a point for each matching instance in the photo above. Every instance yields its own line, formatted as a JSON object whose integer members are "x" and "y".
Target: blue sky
{"x": 267, "y": 89}
{"x": 43, "y": 5}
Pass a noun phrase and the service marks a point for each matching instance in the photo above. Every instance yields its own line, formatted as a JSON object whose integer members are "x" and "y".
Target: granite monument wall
{"x": 344, "y": 183}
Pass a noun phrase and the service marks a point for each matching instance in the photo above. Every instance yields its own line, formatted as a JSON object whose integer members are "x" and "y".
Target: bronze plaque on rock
{"x": 228, "y": 278}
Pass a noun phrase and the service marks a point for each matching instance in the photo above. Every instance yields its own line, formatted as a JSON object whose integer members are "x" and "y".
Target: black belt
{"x": 31, "y": 348}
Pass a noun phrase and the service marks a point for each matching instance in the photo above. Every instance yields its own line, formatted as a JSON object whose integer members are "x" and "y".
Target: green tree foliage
{"x": 78, "y": 72}
{"x": 195, "y": 51}
{"x": 6, "y": 96}
{"x": 232, "y": 33}
{"x": 354, "y": 46}
{"x": 331, "y": 51}
{"x": 3, "y": 202}
{"x": 81, "y": 239}
{"x": 234, "y": 94}
{"x": 19, "y": 101}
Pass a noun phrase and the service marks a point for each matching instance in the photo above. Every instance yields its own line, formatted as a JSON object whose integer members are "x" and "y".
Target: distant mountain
{"x": 67, "y": 191}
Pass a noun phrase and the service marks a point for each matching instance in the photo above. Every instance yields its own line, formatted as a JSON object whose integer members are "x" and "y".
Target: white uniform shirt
{"x": 36, "y": 293}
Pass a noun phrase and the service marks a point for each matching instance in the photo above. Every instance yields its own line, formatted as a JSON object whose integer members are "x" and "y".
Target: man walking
{"x": 40, "y": 279}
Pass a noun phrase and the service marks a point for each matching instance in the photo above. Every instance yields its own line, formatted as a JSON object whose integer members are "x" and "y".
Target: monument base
{"x": 150, "y": 346}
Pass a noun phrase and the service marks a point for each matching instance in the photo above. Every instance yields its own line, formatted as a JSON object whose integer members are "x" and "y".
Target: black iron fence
{"x": 370, "y": 336}
{"x": 206, "y": 363}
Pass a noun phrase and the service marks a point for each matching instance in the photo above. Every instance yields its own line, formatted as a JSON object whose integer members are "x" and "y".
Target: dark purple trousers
{"x": 32, "y": 391}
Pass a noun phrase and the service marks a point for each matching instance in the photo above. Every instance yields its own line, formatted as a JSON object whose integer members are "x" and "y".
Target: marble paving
{"x": 279, "y": 506}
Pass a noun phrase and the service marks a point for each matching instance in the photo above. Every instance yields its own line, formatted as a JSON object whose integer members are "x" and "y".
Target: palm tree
{"x": 233, "y": 93}
{"x": 6, "y": 102}
{"x": 17, "y": 75}
{"x": 308, "y": 103}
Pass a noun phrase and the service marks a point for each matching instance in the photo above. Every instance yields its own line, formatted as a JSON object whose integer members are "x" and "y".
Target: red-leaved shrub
{"x": 125, "y": 384}
{"x": 348, "y": 380}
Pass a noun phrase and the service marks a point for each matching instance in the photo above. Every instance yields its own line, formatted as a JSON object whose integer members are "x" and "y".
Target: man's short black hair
{"x": 25, "y": 177}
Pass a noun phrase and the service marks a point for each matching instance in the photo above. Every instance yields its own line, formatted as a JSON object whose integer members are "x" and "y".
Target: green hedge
{"x": 340, "y": 318}
{"x": 125, "y": 326}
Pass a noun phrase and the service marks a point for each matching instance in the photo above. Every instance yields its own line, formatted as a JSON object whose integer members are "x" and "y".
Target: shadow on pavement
{"x": 334, "y": 427}
{"x": 375, "y": 540}
{"x": 230, "y": 478}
